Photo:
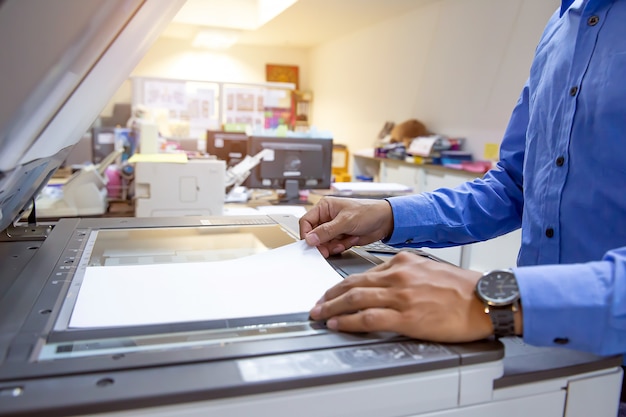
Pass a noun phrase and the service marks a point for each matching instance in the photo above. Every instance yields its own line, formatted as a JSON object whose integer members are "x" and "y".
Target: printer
{"x": 84, "y": 193}
{"x": 61, "y": 62}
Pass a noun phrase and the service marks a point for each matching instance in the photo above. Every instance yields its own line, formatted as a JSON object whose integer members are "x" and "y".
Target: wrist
{"x": 519, "y": 320}
{"x": 388, "y": 223}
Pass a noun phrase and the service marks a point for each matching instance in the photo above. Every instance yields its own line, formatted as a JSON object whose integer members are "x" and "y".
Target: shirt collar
{"x": 565, "y": 5}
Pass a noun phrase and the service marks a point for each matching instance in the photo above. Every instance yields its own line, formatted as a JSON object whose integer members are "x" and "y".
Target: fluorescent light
{"x": 219, "y": 23}
{"x": 215, "y": 38}
{"x": 234, "y": 14}
{"x": 269, "y": 9}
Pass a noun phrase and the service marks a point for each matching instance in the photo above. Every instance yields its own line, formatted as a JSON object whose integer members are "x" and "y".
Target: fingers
{"x": 378, "y": 288}
{"x": 350, "y": 301}
{"x": 370, "y": 320}
{"x": 373, "y": 277}
{"x": 354, "y": 293}
{"x": 319, "y": 225}
{"x": 339, "y": 218}
{"x": 328, "y": 231}
{"x": 309, "y": 220}
{"x": 336, "y": 246}
{"x": 339, "y": 245}
{"x": 377, "y": 276}
{"x": 366, "y": 279}
{"x": 319, "y": 214}
{"x": 361, "y": 310}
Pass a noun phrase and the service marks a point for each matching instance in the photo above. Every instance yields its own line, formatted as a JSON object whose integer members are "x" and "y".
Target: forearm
{"x": 491, "y": 207}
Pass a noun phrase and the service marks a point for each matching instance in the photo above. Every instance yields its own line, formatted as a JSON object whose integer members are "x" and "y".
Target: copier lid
{"x": 61, "y": 61}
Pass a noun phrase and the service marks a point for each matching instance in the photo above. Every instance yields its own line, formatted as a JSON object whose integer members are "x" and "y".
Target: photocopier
{"x": 61, "y": 62}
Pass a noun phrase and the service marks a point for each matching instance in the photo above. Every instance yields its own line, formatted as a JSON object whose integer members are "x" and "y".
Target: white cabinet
{"x": 419, "y": 177}
{"x": 401, "y": 173}
{"x": 497, "y": 253}
{"x": 366, "y": 165}
{"x": 434, "y": 179}
{"x": 500, "y": 252}
{"x": 442, "y": 178}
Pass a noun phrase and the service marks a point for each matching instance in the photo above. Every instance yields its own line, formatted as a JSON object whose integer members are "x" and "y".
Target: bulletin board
{"x": 188, "y": 108}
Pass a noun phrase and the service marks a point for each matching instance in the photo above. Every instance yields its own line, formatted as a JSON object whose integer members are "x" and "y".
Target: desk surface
{"x": 260, "y": 198}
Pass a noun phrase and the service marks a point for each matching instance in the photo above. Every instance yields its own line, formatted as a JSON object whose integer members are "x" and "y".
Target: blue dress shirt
{"x": 562, "y": 178}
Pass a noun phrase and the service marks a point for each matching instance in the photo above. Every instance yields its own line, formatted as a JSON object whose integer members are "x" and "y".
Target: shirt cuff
{"x": 411, "y": 215}
{"x": 566, "y": 305}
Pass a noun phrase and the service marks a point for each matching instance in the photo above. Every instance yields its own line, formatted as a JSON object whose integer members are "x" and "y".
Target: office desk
{"x": 260, "y": 198}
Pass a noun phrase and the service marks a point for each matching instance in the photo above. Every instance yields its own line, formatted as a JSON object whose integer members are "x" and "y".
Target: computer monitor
{"x": 231, "y": 147}
{"x": 294, "y": 164}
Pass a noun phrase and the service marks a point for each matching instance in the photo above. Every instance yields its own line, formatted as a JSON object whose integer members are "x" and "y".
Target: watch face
{"x": 498, "y": 288}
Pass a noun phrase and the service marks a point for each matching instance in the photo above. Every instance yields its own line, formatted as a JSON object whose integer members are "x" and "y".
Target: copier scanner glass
{"x": 201, "y": 285}
{"x": 145, "y": 246}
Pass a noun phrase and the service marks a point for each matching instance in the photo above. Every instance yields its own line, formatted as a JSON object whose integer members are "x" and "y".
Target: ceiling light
{"x": 235, "y": 14}
{"x": 269, "y": 9}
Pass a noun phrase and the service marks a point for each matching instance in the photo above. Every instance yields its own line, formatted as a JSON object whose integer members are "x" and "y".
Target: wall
{"x": 456, "y": 65}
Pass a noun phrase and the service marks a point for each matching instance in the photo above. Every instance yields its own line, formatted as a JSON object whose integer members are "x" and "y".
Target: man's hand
{"x": 335, "y": 224}
{"x": 410, "y": 295}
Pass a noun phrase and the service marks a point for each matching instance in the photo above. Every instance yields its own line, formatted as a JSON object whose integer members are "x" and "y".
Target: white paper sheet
{"x": 422, "y": 146}
{"x": 297, "y": 211}
{"x": 285, "y": 280}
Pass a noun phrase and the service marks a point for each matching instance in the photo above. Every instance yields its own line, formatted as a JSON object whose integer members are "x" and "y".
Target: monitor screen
{"x": 293, "y": 164}
{"x": 231, "y": 147}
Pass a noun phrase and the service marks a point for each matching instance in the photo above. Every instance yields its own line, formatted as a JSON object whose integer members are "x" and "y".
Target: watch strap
{"x": 503, "y": 320}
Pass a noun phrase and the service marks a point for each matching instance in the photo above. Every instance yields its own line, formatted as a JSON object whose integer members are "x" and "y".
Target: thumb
{"x": 324, "y": 232}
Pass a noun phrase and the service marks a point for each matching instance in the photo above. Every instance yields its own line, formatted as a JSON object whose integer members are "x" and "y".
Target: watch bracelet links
{"x": 503, "y": 320}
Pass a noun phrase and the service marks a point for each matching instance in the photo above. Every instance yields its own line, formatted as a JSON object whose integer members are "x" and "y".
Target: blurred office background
{"x": 456, "y": 65}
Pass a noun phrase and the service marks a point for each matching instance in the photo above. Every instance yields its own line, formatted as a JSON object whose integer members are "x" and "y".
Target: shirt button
{"x": 408, "y": 241}
{"x": 573, "y": 91}
{"x": 593, "y": 20}
{"x": 561, "y": 340}
{"x": 560, "y": 161}
{"x": 549, "y": 232}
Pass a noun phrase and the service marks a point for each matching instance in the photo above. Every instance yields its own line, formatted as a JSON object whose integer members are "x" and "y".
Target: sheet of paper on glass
{"x": 285, "y": 280}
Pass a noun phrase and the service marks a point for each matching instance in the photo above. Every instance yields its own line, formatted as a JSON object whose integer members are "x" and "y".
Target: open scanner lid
{"x": 61, "y": 62}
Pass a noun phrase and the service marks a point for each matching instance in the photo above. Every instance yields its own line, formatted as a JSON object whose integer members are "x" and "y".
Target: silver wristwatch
{"x": 499, "y": 292}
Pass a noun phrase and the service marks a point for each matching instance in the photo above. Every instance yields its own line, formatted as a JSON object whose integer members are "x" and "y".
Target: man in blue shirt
{"x": 561, "y": 178}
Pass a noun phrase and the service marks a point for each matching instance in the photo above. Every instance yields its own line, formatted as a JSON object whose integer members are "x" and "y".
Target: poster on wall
{"x": 277, "y": 98}
{"x": 165, "y": 94}
{"x": 201, "y": 106}
{"x": 283, "y": 74}
{"x": 202, "y": 111}
{"x": 183, "y": 108}
{"x": 244, "y": 106}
